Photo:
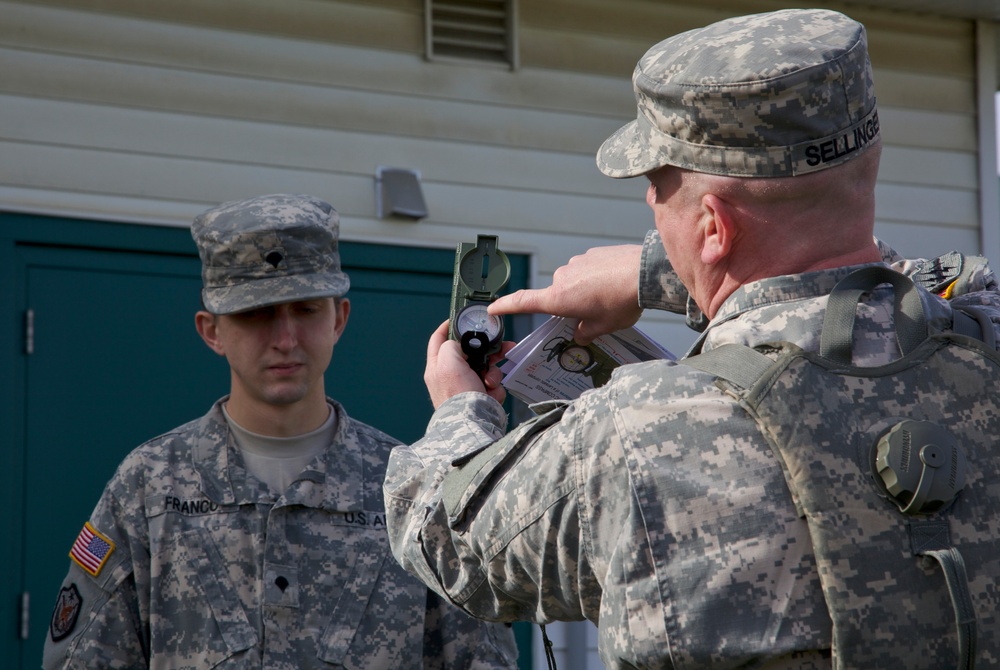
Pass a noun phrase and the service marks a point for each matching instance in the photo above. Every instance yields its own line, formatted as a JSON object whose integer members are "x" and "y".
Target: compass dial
{"x": 475, "y": 319}
{"x": 575, "y": 358}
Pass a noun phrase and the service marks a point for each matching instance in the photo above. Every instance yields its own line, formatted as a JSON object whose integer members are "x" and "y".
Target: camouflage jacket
{"x": 706, "y": 565}
{"x": 207, "y": 568}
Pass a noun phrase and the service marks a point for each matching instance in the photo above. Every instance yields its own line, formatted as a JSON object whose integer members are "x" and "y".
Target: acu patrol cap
{"x": 766, "y": 95}
{"x": 268, "y": 250}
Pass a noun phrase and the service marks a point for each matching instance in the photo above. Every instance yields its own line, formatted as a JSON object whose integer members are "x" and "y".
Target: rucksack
{"x": 896, "y": 470}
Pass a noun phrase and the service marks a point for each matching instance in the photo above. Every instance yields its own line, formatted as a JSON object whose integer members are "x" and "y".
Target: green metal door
{"x": 113, "y": 362}
{"x": 108, "y": 357}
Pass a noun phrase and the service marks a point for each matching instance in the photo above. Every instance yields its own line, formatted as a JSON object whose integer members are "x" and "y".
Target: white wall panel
{"x": 928, "y": 167}
{"x": 948, "y": 209}
{"x": 111, "y": 38}
{"x": 925, "y": 241}
{"x": 928, "y": 129}
{"x": 87, "y": 125}
{"x": 151, "y": 87}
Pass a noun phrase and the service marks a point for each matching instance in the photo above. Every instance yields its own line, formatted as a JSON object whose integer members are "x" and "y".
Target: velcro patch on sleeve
{"x": 91, "y": 550}
{"x": 66, "y": 612}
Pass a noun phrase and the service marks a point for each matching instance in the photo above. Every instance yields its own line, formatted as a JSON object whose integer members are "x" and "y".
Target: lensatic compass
{"x": 481, "y": 272}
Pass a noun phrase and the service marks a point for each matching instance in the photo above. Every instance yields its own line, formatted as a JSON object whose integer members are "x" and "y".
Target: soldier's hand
{"x": 599, "y": 287}
{"x": 448, "y": 373}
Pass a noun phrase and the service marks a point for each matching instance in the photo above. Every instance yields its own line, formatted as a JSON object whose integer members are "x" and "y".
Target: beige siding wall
{"x": 151, "y": 112}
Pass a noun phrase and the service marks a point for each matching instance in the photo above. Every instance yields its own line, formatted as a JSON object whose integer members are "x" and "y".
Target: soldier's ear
{"x": 207, "y": 324}
{"x": 342, "y": 306}
{"x": 719, "y": 229}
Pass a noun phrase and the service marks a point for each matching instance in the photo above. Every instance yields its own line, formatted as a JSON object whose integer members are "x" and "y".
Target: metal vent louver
{"x": 480, "y": 30}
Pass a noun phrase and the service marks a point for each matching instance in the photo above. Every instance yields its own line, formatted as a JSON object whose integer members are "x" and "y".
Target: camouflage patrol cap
{"x": 766, "y": 95}
{"x": 268, "y": 250}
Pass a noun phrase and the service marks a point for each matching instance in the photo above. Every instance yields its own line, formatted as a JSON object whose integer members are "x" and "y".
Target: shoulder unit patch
{"x": 66, "y": 612}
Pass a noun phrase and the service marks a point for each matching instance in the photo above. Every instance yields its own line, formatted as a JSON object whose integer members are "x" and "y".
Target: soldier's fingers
{"x": 438, "y": 337}
{"x": 525, "y": 301}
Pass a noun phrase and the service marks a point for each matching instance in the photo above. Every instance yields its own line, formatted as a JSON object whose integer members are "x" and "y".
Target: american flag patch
{"x": 91, "y": 550}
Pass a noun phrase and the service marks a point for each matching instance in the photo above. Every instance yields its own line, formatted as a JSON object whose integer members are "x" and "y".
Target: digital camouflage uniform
{"x": 189, "y": 561}
{"x": 714, "y": 570}
{"x": 209, "y": 569}
{"x": 654, "y": 506}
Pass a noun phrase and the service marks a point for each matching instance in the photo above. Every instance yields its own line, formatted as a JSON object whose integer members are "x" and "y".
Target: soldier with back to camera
{"x": 744, "y": 506}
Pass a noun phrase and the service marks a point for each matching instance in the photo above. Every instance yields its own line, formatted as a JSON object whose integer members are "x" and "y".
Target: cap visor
{"x": 628, "y": 152}
{"x": 267, "y": 292}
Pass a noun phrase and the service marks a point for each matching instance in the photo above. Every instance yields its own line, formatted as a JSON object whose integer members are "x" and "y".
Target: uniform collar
{"x": 774, "y": 291}
{"x": 331, "y": 481}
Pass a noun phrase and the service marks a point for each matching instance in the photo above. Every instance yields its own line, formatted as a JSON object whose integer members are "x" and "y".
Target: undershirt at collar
{"x": 278, "y": 461}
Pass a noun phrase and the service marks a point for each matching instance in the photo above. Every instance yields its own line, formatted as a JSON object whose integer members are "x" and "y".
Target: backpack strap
{"x": 955, "y": 576}
{"x": 736, "y": 363}
{"x": 838, "y": 321}
{"x": 971, "y": 321}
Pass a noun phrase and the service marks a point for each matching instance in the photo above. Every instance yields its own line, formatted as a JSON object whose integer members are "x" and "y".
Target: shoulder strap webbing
{"x": 968, "y": 320}
{"x": 736, "y": 363}
{"x": 838, "y": 322}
